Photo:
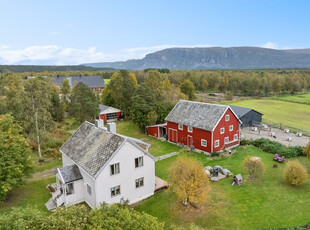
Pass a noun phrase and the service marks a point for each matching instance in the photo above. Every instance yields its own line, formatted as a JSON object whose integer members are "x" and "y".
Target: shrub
{"x": 245, "y": 142}
{"x": 275, "y": 147}
{"x": 306, "y": 150}
{"x": 254, "y": 167}
{"x": 215, "y": 154}
{"x": 295, "y": 173}
{"x": 21, "y": 218}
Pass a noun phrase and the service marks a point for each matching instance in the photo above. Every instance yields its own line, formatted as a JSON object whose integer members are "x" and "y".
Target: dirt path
{"x": 42, "y": 174}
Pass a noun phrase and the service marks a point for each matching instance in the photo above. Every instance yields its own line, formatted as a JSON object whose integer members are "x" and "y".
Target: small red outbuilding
{"x": 108, "y": 113}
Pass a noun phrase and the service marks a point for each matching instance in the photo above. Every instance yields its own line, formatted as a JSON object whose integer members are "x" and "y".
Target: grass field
{"x": 301, "y": 98}
{"x": 290, "y": 113}
{"x": 157, "y": 148}
{"x": 268, "y": 203}
{"x": 106, "y": 81}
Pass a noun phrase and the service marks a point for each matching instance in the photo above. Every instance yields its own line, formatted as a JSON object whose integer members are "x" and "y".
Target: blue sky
{"x": 74, "y": 32}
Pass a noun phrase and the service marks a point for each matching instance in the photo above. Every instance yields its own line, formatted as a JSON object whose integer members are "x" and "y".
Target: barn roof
{"x": 70, "y": 173}
{"x": 241, "y": 111}
{"x": 197, "y": 114}
{"x": 91, "y": 147}
{"x": 91, "y": 81}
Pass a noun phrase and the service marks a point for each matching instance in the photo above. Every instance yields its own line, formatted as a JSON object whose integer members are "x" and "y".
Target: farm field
{"x": 268, "y": 203}
{"x": 290, "y": 113}
{"x": 301, "y": 98}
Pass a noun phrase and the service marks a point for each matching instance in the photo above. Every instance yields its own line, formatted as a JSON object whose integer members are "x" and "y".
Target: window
{"x": 180, "y": 127}
{"x": 69, "y": 189}
{"x": 231, "y": 128}
{"x": 216, "y": 143}
{"x": 226, "y": 140}
{"x": 222, "y": 130}
{"x": 235, "y": 137}
{"x": 88, "y": 189}
{"x": 111, "y": 116}
{"x": 203, "y": 143}
{"x": 114, "y": 169}
{"x": 139, "y": 182}
{"x": 115, "y": 191}
{"x": 227, "y": 118}
{"x": 139, "y": 162}
{"x": 190, "y": 129}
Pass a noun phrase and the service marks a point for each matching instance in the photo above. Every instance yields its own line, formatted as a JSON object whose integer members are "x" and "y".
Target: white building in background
{"x": 102, "y": 166}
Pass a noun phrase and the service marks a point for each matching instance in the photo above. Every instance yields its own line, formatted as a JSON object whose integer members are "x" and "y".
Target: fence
{"x": 281, "y": 125}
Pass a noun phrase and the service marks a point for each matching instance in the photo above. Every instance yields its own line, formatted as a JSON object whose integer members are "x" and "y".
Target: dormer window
{"x": 180, "y": 127}
{"x": 227, "y": 118}
{"x": 190, "y": 129}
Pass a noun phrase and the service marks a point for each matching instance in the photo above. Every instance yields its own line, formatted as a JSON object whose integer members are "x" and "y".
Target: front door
{"x": 189, "y": 141}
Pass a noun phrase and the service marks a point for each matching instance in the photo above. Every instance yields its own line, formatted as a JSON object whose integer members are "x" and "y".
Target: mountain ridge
{"x": 242, "y": 57}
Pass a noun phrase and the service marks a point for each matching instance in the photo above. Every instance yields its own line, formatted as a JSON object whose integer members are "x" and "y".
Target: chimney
{"x": 99, "y": 124}
{"x": 112, "y": 127}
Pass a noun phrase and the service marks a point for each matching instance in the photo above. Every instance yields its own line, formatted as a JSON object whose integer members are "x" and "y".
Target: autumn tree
{"x": 204, "y": 83}
{"x": 154, "y": 81}
{"x": 306, "y": 150}
{"x": 254, "y": 167}
{"x": 120, "y": 90}
{"x": 188, "y": 88}
{"x": 189, "y": 180}
{"x": 15, "y": 160}
{"x": 83, "y": 103}
{"x": 36, "y": 108}
{"x": 295, "y": 173}
{"x": 143, "y": 107}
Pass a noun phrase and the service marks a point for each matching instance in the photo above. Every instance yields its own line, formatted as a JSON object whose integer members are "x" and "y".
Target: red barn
{"x": 108, "y": 113}
{"x": 206, "y": 127}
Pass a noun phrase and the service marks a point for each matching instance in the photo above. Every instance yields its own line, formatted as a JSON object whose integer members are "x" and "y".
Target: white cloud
{"x": 54, "y": 33}
{"x": 270, "y": 45}
{"x": 53, "y": 55}
{"x": 57, "y": 55}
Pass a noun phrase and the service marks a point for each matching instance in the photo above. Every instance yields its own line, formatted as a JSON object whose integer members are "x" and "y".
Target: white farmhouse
{"x": 101, "y": 166}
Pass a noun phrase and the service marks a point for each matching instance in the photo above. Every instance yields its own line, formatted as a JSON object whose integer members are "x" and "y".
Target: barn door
{"x": 173, "y": 135}
{"x": 189, "y": 141}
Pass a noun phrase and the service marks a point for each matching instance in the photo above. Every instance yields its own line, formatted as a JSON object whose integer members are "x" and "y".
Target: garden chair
{"x": 281, "y": 159}
{"x": 276, "y": 157}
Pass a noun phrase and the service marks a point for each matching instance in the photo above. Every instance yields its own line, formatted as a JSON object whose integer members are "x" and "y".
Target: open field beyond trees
{"x": 300, "y": 98}
{"x": 290, "y": 113}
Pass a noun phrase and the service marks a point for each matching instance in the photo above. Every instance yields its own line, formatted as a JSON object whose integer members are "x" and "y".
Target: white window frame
{"x": 118, "y": 187}
{"x": 88, "y": 189}
{"x": 226, "y": 138}
{"x": 231, "y": 128}
{"x": 235, "y": 137}
{"x": 114, "y": 169}
{"x": 204, "y": 145}
{"x": 216, "y": 143}
{"x": 222, "y": 132}
{"x": 180, "y": 127}
{"x": 139, "y": 180}
{"x": 139, "y": 160}
{"x": 189, "y": 129}
{"x": 227, "y": 117}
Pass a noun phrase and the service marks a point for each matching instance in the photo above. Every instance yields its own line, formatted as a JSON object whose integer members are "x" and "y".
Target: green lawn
{"x": 32, "y": 193}
{"x": 301, "y": 98}
{"x": 157, "y": 148}
{"x": 106, "y": 81}
{"x": 268, "y": 203}
{"x": 293, "y": 114}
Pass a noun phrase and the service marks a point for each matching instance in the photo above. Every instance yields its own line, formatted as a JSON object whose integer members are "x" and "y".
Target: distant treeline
{"x": 241, "y": 82}
{"x": 42, "y": 68}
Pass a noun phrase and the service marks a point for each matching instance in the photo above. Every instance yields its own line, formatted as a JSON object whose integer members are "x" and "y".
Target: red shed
{"x": 108, "y": 113}
{"x": 206, "y": 127}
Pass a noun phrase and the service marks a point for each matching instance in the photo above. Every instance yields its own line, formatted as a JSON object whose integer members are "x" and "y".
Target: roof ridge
{"x": 202, "y": 103}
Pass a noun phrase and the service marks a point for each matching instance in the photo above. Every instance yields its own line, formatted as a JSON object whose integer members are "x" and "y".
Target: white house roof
{"x": 197, "y": 114}
{"x": 91, "y": 147}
